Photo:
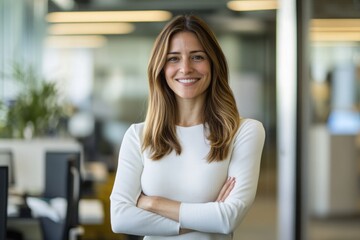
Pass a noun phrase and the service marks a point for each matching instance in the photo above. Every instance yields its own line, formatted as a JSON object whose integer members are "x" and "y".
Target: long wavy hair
{"x": 221, "y": 116}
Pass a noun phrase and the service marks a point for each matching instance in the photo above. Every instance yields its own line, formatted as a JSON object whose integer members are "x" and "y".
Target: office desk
{"x": 29, "y": 159}
{"x": 29, "y": 227}
{"x": 29, "y": 164}
{"x": 91, "y": 212}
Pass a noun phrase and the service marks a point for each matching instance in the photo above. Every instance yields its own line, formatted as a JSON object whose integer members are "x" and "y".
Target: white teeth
{"x": 187, "y": 80}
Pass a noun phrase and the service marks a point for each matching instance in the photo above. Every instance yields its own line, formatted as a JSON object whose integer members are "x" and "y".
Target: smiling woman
{"x": 192, "y": 138}
{"x": 187, "y": 70}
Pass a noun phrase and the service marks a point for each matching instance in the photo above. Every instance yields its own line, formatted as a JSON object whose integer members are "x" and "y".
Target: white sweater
{"x": 187, "y": 178}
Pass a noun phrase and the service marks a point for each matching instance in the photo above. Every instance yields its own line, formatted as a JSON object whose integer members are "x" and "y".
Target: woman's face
{"x": 187, "y": 69}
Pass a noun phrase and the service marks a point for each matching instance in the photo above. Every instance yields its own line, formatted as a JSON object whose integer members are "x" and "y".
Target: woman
{"x": 190, "y": 171}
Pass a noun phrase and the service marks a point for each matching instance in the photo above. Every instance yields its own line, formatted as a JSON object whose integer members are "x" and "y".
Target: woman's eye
{"x": 198, "y": 58}
{"x": 172, "y": 59}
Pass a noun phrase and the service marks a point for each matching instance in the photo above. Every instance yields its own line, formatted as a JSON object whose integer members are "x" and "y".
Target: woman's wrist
{"x": 152, "y": 204}
{"x": 145, "y": 202}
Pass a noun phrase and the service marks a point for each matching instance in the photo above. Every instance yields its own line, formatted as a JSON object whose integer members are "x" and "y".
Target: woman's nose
{"x": 186, "y": 67}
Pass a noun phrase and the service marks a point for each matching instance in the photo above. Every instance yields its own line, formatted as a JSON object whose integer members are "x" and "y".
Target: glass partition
{"x": 334, "y": 133}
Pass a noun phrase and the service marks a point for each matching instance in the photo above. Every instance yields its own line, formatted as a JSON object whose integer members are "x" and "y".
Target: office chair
{"x": 54, "y": 188}
{"x": 3, "y": 200}
{"x": 62, "y": 180}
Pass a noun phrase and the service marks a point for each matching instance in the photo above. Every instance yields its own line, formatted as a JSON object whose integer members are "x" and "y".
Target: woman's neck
{"x": 190, "y": 113}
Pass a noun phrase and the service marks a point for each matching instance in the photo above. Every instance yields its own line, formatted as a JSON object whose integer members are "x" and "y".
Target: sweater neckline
{"x": 188, "y": 127}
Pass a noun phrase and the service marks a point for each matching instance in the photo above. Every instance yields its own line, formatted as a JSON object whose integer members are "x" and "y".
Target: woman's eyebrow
{"x": 194, "y": 51}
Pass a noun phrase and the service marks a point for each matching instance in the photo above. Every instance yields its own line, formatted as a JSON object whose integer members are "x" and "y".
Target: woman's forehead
{"x": 185, "y": 41}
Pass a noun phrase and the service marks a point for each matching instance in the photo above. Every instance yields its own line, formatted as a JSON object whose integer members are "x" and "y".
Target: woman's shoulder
{"x": 138, "y": 126}
{"x": 251, "y": 125}
{"x": 134, "y": 131}
{"x": 250, "y": 122}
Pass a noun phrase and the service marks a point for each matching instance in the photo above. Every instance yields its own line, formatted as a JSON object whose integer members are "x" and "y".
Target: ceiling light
{"x": 335, "y": 36}
{"x": 252, "y": 5}
{"x": 90, "y": 28}
{"x": 325, "y": 23}
{"x": 90, "y": 41}
{"x": 110, "y": 16}
{"x": 335, "y": 30}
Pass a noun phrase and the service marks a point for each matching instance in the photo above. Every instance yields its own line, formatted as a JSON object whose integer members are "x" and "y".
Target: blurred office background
{"x": 294, "y": 65}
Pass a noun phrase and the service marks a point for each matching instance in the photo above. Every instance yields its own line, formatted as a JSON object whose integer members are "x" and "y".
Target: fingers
{"x": 223, "y": 190}
{"x": 229, "y": 189}
{"x": 226, "y": 189}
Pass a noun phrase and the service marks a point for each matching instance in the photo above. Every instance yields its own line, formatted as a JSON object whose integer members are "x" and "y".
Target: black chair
{"x": 54, "y": 188}
{"x": 62, "y": 180}
{"x": 3, "y": 200}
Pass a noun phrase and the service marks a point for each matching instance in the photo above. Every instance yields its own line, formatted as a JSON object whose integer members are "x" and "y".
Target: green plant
{"x": 35, "y": 109}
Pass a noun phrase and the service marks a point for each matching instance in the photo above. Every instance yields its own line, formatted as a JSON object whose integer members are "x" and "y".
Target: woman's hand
{"x": 226, "y": 189}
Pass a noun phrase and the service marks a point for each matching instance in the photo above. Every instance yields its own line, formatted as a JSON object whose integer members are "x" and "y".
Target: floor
{"x": 261, "y": 221}
{"x": 335, "y": 229}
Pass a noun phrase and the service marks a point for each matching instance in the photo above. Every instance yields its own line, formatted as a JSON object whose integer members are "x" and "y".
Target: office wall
{"x": 22, "y": 29}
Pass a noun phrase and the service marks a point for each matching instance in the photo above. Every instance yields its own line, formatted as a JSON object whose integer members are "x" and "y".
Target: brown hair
{"x": 220, "y": 112}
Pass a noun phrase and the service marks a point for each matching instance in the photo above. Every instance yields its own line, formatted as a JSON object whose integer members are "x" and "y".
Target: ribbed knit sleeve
{"x": 125, "y": 216}
{"x": 224, "y": 217}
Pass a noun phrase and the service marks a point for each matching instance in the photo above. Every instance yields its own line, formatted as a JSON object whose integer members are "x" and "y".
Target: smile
{"x": 187, "y": 80}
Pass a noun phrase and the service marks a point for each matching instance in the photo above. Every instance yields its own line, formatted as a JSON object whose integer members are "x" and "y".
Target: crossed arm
{"x": 170, "y": 208}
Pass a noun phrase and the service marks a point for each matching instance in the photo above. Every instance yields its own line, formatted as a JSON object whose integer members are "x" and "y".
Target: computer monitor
{"x": 7, "y": 159}
{"x": 3, "y": 200}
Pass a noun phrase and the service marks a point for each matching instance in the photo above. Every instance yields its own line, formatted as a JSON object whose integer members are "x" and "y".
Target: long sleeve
{"x": 125, "y": 216}
{"x": 224, "y": 217}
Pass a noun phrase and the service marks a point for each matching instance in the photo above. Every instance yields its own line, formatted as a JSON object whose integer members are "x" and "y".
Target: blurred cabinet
{"x": 333, "y": 173}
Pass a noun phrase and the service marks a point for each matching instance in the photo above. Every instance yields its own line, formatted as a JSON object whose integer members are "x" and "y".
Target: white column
{"x": 286, "y": 116}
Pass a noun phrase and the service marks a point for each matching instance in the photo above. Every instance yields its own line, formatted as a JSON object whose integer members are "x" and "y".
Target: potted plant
{"x": 35, "y": 112}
